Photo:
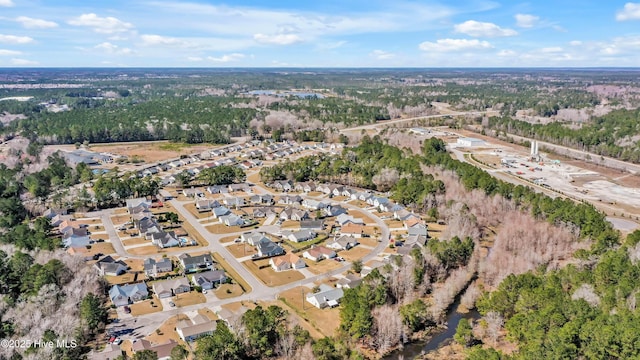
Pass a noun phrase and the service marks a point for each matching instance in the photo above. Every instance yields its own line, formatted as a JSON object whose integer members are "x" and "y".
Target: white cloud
{"x": 155, "y": 40}
{"x": 382, "y": 55}
{"x": 102, "y": 25}
{"x": 227, "y": 58}
{"x": 5, "y": 52}
{"x": 110, "y": 48}
{"x": 12, "y": 39}
{"x": 575, "y": 43}
{"x": 6, "y": 3}
{"x": 526, "y": 20}
{"x": 483, "y": 29}
{"x": 331, "y": 45}
{"x": 631, "y": 11}
{"x": 194, "y": 58}
{"x": 507, "y": 53}
{"x": 31, "y": 23}
{"x": 23, "y": 62}
{"x": 551, "y": 50}
{"x": 278, "y": 39}
{"x": 454, "y": 45}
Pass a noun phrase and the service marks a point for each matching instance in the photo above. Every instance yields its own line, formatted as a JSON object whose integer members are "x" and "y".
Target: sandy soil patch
{"x": 227, "y": 239}
{"x": 146, "y": 307}
{"x": 190, "y": 298}
{"x": 361, "y": 214}
{"x": 89, "y": 221}
{"x": 135, "y": 264}
{"x": 269, "y": 276}
{"x": 369, "y": 241}
{"x": 254, "y": 177}
{"x": 325, "y": 321}
{"x": 227, "y": 291}
{"x": 104, "y": 248}
{"x": 290, "y": 224}
{"x": 120, "y": 219}
{"x": 148, "y": 250}
{"x": 127, "y": 278}
{"x": 99, "y": 236}
{"x": 394, "y": 224}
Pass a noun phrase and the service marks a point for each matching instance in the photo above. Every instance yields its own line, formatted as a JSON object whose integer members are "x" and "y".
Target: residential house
{"x": 133, "y": 203}
{"x": 282, "y": 185}
{"x": 234, "y": 202}
{"x": 290, "y": 199}
{"x": 334, "y": 210}
{"x": 328, "y": 296}
{"x": 261, "y": 199}
{"x": 417, "y": 228}
{"x": 324, "y": 188}
{"x": 336, "y": 190}
{"x": 164, "y": 240}
{"x": 351, "y": 229}
{"x": 204, "y": 205}
{"x": 218, "y": 189}
{"x": 121, "y": 295}
{"x": 342, "y": 243}
{"x": 315, "y": 225}
{"x": 193, "y": 192}
{"x": 239, "y": 187}
{"x": 209, "y": 279}
{"x": 232, "y": 220}
{"x": 110, "y": 267}
{"x": 344, "y": 219}
{"x": 365, "y": 196}
{"x": 318, "y": 253}
{"x": 253, "y": 238}
{"x": 349, "y": 282}
{"x": 190, "y": 330}
{"x": 163, "y": 351}
{"x": 220, "y": 211}
{"x": 294, "y": 214}
{"x": 404, "y": 215}
{"x": 50, "y": 213}
{"x": 233, "y": 319}
{"x": 268, "y": 249}
{"x": 194, "y": 263}
{"x": 348, "y": 192}
{"x": 171, "y": 287}
{"x": 59, "y": 219}
{"x": 286, "y": 262}
{"x": 377, "y": 201}
{"x": 302, "y": 235}
{"x": 76, "y": 237}
{"x": 305, "y": 186}
{"x": 390, "y": 206}
{"x": 266, "y": 211}
{"x": 153, "y": 267}
{"x": 410, "y": 243}
{"x": 314, "y": 204}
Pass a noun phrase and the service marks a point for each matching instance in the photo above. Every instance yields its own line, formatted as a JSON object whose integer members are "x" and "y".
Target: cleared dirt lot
{"x": 190, "y": 298}
{"x": 146, "y": 307}
{"x": 241, "y": 250}
{"x": 355, "y": 253}
{"x": 322, "y": 266}
{"x": 149, "y": 151}
{"x": 227, "y": 291}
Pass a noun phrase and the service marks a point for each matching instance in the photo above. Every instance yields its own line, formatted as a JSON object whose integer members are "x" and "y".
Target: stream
{"x": 442, "y": 337}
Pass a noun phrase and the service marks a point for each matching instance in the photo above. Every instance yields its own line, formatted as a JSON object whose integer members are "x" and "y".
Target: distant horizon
{"x": 332, "y": 33}
{"x": 226, "y": 68}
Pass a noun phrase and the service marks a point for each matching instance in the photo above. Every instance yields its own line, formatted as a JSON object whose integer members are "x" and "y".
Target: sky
{"x": 326, "y": 33}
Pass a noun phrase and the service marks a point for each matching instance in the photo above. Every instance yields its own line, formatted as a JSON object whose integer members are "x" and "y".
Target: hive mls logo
{"x": 67, "y": 344}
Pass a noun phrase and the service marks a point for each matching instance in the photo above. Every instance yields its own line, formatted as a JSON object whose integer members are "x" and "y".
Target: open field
{"x": 99, "y": 236}
{"x": 120, "y": 219}
{"x": 269, "y": 276}
{"x": 231, "y": 273}
{"x": 135, "y": 264}
{"x": 227, "y": 239}
{"x": 149, "y": 151}
{"x": 147, "y": 250}
{"x": 135, "y": 241}
{"x": 326, "y": 321}
{"x": 146, "y": 307}
{"x": 393, "y": 224}
{"x": 224, "y": 229}
{"x": 227, "y": 291}
{"x": 190, "y": 298}
{"x": 241, "y": 249}
{"x": 355, "y": 253}
{"x": 322, "y": 266}
{"x": 194, "y": 211}
{"x": 369, "y": 241}
{"x": 104, "y": 248}
{"x": 89, "y": 221}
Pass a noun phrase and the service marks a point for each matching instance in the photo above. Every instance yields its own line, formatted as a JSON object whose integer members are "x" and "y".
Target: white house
{"x": 318, "y": 253}
{"x": 286, "y": 262}
{"x": 302, "y": 235}
{"x": 328, "y": 296}
{"x": 469, "y": 142}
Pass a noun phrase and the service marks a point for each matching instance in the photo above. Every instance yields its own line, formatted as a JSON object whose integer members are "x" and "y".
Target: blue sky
{"x": 328, "y": 33}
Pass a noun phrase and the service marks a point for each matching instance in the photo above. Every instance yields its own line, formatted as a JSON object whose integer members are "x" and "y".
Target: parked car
{"x": 117, "y": 341}
{"x": 172, "y": 304}
{"x": 127, "y": 310}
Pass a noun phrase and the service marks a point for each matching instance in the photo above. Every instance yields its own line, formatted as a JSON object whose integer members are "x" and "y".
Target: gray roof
{"x": 209, "y": 276}
{"x": 203, "y": 259}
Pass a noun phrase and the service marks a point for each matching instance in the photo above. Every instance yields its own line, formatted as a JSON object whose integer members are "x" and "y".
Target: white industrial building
{"x": 469, "y": 142}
